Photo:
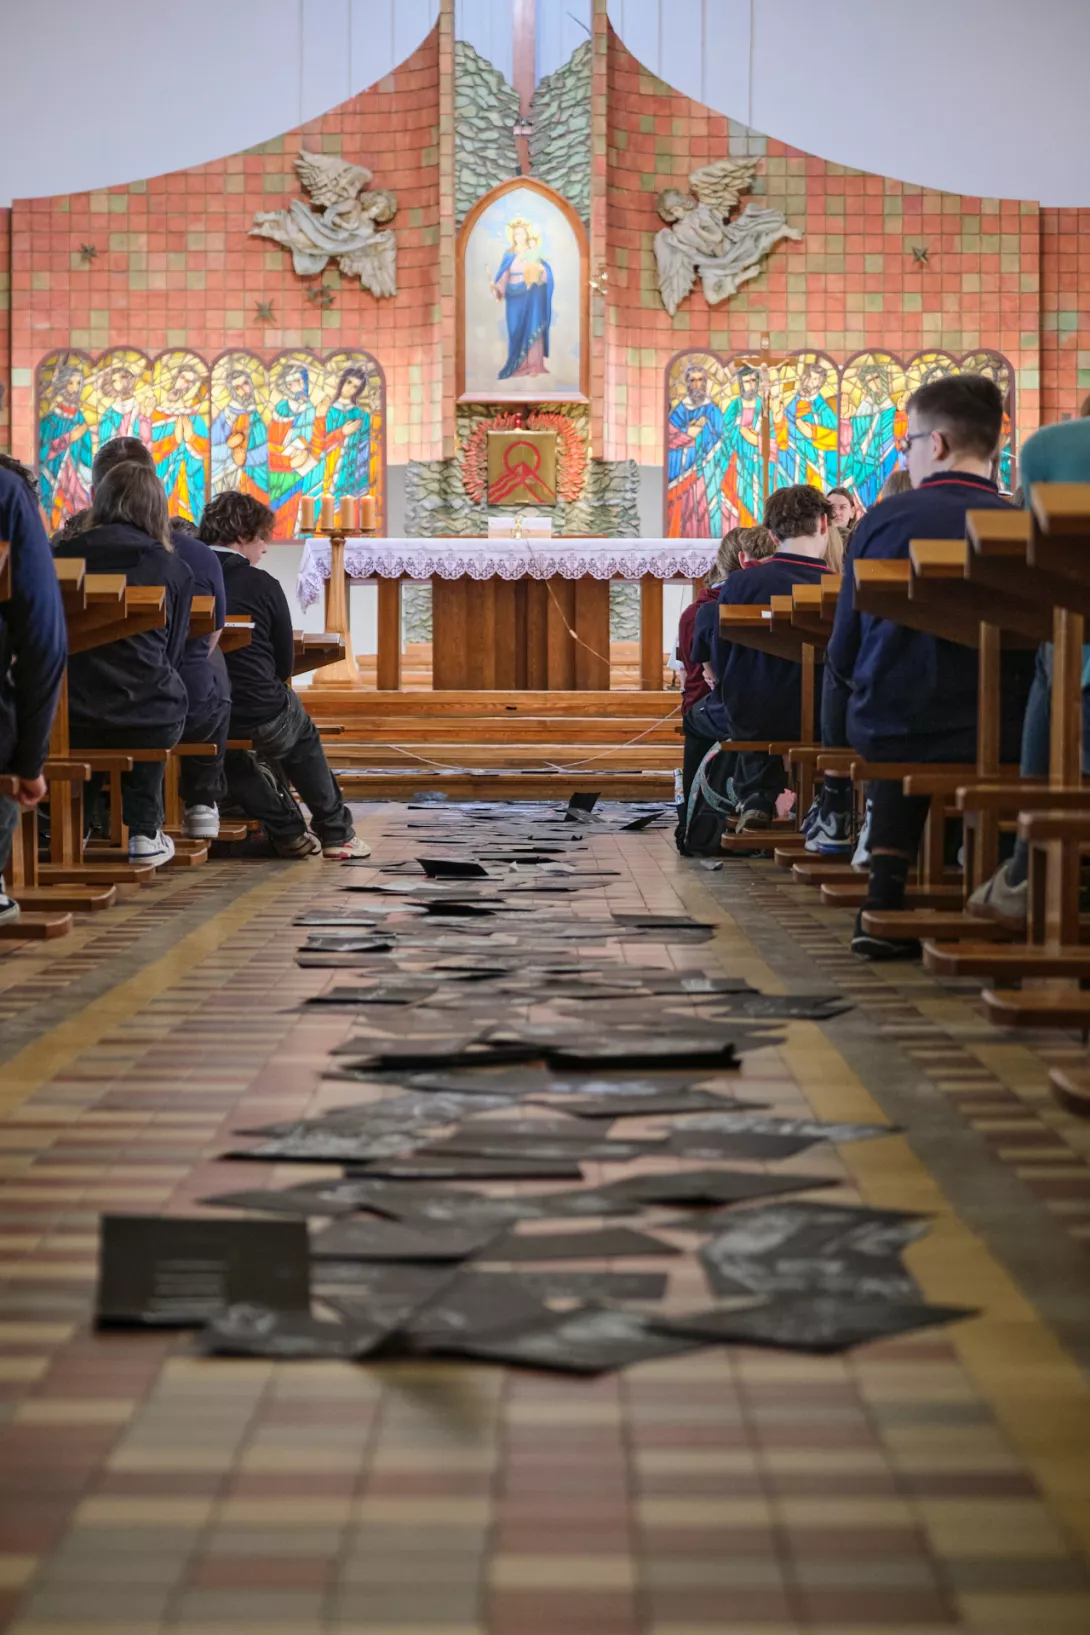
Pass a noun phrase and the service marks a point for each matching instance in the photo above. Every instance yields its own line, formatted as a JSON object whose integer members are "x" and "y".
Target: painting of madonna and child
{"x": 523, "y": 290}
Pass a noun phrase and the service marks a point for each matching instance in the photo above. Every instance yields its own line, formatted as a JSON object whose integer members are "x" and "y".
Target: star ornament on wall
{"x": 322, "y": 296}
{"x": 88, "y": 252}
{"x": 264, "y": 312}
{"x": 921, "y": 255}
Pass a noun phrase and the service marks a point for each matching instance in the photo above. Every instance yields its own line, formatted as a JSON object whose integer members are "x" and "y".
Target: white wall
{"x": 979, "y": 96}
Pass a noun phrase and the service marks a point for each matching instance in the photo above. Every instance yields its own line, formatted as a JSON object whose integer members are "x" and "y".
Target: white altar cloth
{"x": 479, "y": 558}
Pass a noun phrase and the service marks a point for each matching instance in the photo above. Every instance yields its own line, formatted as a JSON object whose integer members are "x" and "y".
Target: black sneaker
{"x": 868, "y": 946}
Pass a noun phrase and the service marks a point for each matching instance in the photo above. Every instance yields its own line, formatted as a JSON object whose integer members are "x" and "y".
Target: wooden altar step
{"x": 416, "y": 668}
{"x": 496, "y": 744}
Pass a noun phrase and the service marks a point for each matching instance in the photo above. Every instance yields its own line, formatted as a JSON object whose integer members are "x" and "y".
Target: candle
{"x": 368, "y": 510}
{"x": 306, "y": 516}
{"x": 328, "y": 516}
{"x": 350, "y": 516}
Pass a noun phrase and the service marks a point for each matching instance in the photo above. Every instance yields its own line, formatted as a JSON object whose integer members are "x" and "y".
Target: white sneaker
{"x": 154, "y": 849}
{"x": 347, "y": 849}
{"x": 997, "y": 900}
{"x": 9, "y": 908}
{"x": 201, "y": 822}
{"x": 861, "y": 855}
{"x": 830, "y": 835}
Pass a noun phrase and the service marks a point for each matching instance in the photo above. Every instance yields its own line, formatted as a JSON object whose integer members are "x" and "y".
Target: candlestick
{"x": 368, "y": 517}
{"x": 327, "y": 516}
{"x": 306, "y": 515}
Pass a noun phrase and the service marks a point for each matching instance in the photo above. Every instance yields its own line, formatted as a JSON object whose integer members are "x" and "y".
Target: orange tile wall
{"x": 175, "y": 267}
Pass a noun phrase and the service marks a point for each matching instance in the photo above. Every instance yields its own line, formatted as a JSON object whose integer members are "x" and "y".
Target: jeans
{"x": 142, "y": 809}
{"x": 202, "y": 778}
{"x": 290, "y": 743}
{"x": 9, "y": 822}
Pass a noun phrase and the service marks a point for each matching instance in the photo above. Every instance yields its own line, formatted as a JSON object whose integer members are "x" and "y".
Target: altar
{"x": 507, "y": 614}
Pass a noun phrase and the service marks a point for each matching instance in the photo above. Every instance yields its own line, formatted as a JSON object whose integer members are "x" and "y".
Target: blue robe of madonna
{"x": 529, "y": 312}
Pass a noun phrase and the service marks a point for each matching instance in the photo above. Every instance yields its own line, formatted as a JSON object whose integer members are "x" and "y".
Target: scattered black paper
{"x": 820, "y": 1323}
{"x": 592, "y": 1340}
{"x": 602, "y": 1152}
{"x": 579, "y": 1284}
{"x": 609, "y": 1243}
{"x": 377, "y": 1293}
{"x": 473, "y": 1305}
{"x": 811, "y": 1129}
{"x": 711, "y": 1186}
{"x": 440, "y": 1207}
{"x": 690, "y": 1143}
{"x": 397, "y": 1240}
{"x": 470, "y": 1169}
{"x": 177, "y": 1271}
{"x": 255, "y": 1331}
{"x": 452, "y": 868}
{"x": 652, "y": 1105}
{"x": 812, "y": 1248}
{"x": 583, "y": 801}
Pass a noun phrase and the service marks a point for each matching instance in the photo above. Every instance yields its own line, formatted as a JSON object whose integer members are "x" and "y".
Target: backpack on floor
{"x": 702, "y": 822}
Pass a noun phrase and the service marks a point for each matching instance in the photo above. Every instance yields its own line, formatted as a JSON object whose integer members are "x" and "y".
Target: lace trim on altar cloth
{"x": 509, "y": 559}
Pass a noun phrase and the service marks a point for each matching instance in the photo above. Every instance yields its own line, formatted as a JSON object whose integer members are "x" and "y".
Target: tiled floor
{"x": 940, "y": 1481}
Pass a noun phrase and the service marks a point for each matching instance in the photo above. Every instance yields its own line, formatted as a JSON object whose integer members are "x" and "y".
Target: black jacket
{"x": 203, "y": 668}
{"x": 259, "y": 673}
{"x": 33, "y": 644}
{"x": 760, "y": 693}
{"x": 913, "y": 696}
{"x": 132, "y": 685}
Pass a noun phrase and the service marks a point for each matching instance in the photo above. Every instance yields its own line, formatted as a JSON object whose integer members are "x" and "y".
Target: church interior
{"x": 544, "y": 727}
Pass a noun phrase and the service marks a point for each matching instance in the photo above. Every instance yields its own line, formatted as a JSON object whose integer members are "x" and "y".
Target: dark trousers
{"x": 758, "y": 779}
{"x": 202, "y": 778}
{"x": 142, "y": 808}
{"x": 292, "y": 747}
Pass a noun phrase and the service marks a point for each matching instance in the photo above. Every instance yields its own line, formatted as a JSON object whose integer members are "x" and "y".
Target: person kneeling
{"x": 759, "y": 695}
{"x": 264, "y": 707}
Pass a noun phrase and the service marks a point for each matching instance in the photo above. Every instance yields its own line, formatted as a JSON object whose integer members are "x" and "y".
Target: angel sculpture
{"x": 343, "y": 229}
{"x": 700, "y": 237}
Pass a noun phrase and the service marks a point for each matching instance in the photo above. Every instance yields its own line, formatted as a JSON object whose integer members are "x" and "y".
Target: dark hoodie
{"x": 33, "y": 642}
{"x": 132, "y": 686}
{"x": 261, "y": 672}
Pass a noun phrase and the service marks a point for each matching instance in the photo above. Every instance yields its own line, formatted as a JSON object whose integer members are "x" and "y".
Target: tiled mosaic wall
{"x": 166, "y": 264}
{"x": 852, "y": 283}
{"x": 173, "y": 268}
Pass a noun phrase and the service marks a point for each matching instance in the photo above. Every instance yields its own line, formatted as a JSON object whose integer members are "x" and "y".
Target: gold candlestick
{"x": 334, "y": 525}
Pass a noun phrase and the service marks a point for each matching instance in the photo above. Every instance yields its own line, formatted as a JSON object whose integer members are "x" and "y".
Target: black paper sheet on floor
{"x": 563, "y": 1283}
{"x": 811, "y": 1129}
{"x": 743, "y": 1144}
{"x": 711, "y": 1186}
{"x": 653, "y": 1104}
{"x": 255, "y": 1331}
{"x": 347, "y": 946}
{"x": 776, "y": 1007}
{"x": 584, "y": 801}
{"x": 397, "y": 1240}
{"x": 643, "y": 822}
{"x": 591, "y": 1340}
{"x": 472, "y": 1306}
{"x": 813, "y": 1248}
{"x": 469, "y": 1169}
{"x": 819, "y": 1323}
{"x": 333, "y": 918}
{"x": 323, "y": 1146}
{"x": 379, "y": 994}
{"x": 378, "y": 1292}
{"x": 180, "y": 1271}
{"x": 608, "y": 1243}
{"x": 452, "y": 868}
{"x": 287, "y": 1201}
{"x": 619, "y": 1052}
{"x": 662, "y": 922}
{"x": 604, "y": 1151}
{"x": 439, "y": 1207}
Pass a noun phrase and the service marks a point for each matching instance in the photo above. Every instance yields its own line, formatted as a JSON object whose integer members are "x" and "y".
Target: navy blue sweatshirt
{"x": 913, "y": 696}
{"x": 260, "y": 673}
{"x": 761, "y": 694}
{"x": 33, "y": 641}
{"x": 132, "y": 686}
{"x": 203, "y": 669}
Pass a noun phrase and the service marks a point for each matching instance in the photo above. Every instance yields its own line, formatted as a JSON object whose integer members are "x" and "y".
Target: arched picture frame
{"x": 523, "y": 308}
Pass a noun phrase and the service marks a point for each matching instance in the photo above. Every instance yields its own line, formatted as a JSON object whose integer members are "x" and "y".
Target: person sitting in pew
{"x": 759, "y": 695}
{"x": 201, "y": 778}
{"x": 33, "y": 650}
{"x": 129, "y": 694}
{"x": 1055, "y": 454}
{"x": 265, "y": 708}
{"x": 897, "y": 694}
{"x": 739, "y": 549}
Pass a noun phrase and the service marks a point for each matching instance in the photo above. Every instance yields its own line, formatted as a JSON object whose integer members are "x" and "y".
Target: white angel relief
{"x": 344, "y": 228}
{"x": 699, "y": 236}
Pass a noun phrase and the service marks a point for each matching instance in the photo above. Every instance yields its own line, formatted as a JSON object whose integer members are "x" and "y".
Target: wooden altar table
{"x": 514, "y": 614}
